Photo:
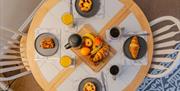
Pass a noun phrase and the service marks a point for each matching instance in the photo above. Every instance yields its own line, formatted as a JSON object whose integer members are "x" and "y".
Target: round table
{"x": 128, "y": 9}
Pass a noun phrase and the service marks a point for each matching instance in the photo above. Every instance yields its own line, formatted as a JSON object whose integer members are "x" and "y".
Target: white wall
{"x": 13, "y": 13}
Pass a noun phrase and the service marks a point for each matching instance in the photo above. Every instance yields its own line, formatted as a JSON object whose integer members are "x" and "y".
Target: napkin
{"x": 73, "y": 81}
{"x": 65, "y": 34}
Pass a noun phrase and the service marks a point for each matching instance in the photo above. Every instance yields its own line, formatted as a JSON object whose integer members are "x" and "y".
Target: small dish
{"x": 46, "y": 52}
{"x": 95, "y": 8}
{"x": 90, "y": 79}
{"x": 142, "y": 50}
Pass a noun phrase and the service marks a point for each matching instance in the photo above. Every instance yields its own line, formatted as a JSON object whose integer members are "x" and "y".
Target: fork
{"x": 71, "y": 8}
{"x": 103, "y": 80}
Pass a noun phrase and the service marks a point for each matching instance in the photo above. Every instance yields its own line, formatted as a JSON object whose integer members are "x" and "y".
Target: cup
{"x": 113, "y": 34}
{"x": 66, "y": 61}
{"x": 68, "y": 19}
{"x": 114, "y": 71}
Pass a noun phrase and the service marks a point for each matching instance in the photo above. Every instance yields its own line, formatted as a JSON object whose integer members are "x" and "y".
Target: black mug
{"x": 74, "y": 40}
{"x": 114, "y": 70}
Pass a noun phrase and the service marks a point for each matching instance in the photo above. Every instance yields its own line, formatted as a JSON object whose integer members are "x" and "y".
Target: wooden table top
{"x": 130, "y": 6}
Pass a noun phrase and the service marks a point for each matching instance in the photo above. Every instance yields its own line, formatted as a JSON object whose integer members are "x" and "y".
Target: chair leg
{"x": 15, "y": 76}
{"x": 3, "y": 86}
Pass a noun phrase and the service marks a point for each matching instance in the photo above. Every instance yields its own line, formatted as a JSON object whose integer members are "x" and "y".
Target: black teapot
{"x": 74, "y": 40}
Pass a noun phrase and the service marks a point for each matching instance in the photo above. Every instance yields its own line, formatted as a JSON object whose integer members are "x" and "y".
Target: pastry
{"x": 134, "y": 47}
{"x": 89, "y": 86}
{"x": 47, "y": 43}
{"x": 85, "y": 5}
{"x": 102, "y": 53}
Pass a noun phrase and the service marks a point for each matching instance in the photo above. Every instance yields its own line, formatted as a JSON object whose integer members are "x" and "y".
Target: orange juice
{"x": 66, "y": 61}
{"x": 67, "y": 19}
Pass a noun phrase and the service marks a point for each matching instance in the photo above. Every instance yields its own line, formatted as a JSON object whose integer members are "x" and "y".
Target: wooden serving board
{"x": 89, "y": 29}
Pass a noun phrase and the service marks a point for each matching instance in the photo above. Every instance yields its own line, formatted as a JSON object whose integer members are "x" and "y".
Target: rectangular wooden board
{"x": 89, "y": 29}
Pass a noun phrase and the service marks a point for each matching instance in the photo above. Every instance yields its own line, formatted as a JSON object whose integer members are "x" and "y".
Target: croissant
{"x": 134, "y": 47}
{"x": 102, "y": 53}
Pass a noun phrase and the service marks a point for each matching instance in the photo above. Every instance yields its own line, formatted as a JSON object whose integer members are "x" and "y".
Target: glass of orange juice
{"x": 67, "y": 19}
{"x": 66, "y": 61}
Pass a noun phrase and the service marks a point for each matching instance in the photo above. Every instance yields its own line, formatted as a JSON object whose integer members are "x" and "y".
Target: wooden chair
{"x": 166, "y": 47}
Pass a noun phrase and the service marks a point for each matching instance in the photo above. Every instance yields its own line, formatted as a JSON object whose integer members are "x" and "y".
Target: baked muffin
{"x": 89, "y": 86}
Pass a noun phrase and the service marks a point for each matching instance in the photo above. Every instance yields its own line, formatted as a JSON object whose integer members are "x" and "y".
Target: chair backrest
{"x": 166, "y": 55}
{"x": 13, "y": 31}
{"x": 12, "y": 63}
{"x": 11, "y": 58}
{"x": 9, "y": 43}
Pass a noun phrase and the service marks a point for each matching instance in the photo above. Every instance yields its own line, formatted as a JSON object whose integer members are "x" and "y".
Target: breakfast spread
{"x": 89, "y": 86}
{"x": 85, "y": 5}
{"x": 134, "y": 47}
{"x": 47, "y": 43}
{"x": 102, "y": 53}
{"x": 94, "y": 48}
{"x": 94, "y": 51}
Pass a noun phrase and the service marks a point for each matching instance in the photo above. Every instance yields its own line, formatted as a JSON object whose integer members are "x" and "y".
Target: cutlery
{"x": 139, "y": 34}
{"x": 71, "y": 11}
{"x": 71, "y": 8}
{"x": 133, "y": 34}
{"x": 103, "y": 80}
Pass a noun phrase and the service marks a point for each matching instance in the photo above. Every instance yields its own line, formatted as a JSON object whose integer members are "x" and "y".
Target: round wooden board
{"x": 130, "y": 6}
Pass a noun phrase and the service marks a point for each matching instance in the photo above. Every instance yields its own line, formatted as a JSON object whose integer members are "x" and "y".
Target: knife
{"x": 141, "y": 34}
